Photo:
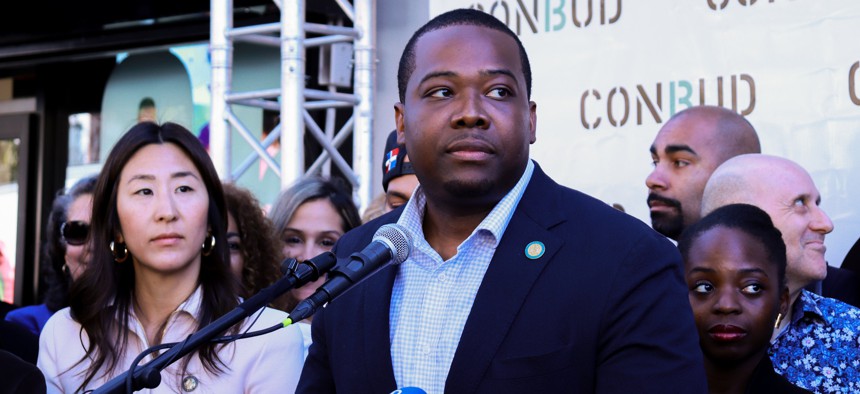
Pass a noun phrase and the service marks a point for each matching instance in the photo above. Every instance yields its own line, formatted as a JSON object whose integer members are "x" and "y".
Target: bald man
{"x": 686, "y": 151}
{"x": 815, "y": 345}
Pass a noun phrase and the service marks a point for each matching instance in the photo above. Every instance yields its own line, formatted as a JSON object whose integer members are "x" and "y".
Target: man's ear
{"x": 400, "y": 122}
{"x": 532, "y": 122}
{"x": 784, "y": 301}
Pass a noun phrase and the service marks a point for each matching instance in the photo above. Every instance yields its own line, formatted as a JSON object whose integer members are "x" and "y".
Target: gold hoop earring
{"x": 778, "y": 320}
{"x": 119, "y": 251}
{"x": 208, "y": 245}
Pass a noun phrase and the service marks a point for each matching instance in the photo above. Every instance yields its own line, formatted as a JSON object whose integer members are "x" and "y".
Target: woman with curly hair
{"x": 254, "y": 250}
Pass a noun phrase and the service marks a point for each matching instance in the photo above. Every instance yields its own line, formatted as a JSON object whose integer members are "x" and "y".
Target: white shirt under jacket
{"x": 270, "y": 363}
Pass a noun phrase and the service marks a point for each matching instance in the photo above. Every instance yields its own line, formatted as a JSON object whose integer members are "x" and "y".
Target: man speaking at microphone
{"x": 515, "y": 284}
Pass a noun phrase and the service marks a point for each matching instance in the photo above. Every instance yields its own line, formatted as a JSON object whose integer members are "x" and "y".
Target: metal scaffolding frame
{"x": 296, "y": 101}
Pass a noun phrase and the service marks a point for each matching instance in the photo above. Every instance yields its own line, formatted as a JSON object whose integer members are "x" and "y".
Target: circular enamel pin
{"x": 189, "y": 383}
{"x": 535, "y": 249}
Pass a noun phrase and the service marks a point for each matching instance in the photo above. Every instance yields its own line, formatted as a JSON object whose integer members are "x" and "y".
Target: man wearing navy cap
{"x": 398, "y": 177}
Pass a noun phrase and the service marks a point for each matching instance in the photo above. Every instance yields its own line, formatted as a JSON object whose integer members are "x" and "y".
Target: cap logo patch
{"x": 391, "y": 159}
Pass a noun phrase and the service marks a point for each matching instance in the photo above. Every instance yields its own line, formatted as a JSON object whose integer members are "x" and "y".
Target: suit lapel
{"x": 506, "y": 285}
{"x": 373, "y": 327}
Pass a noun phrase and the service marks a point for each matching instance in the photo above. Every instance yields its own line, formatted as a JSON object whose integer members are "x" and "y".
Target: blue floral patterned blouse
{"x": 820, "y": 350}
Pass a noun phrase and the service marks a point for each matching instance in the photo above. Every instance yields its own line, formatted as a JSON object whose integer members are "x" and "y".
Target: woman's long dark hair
{"x": 102, "y": 298}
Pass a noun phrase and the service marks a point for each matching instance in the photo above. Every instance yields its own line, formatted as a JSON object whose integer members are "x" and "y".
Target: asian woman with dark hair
{"x": 159, "y": 272}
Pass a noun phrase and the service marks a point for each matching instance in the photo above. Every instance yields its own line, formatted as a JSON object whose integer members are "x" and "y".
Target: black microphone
{"x": 391, "y": 243}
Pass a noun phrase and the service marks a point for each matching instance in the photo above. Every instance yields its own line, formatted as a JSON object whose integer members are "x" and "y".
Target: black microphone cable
{"x": 317, "y": 266}
{"x": 224, "y": 339}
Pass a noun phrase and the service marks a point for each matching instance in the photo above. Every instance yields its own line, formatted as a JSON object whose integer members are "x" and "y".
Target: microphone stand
{"x": 149, "y": 375}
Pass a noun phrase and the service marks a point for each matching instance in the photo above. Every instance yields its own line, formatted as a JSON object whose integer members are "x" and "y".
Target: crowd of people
{"x": 514, "y": 282}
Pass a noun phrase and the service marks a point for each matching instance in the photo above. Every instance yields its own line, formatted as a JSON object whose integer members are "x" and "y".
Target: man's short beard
{"x": 669, "y": 225}
{"x": 467, "y": 189}
{"x": 666, "y": 223}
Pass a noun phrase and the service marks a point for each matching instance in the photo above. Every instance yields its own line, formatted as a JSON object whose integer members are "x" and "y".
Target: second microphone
{"x": 391, "y": 244}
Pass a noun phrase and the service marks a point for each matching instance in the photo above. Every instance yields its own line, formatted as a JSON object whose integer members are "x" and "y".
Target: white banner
{"x": 608, "y": 73}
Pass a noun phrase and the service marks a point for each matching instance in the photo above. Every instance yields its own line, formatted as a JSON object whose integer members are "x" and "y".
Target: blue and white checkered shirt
{"x": 431, "y": 298}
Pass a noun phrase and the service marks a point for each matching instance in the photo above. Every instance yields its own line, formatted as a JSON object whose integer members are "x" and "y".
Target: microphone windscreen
{"x": 398, "y": 240}
{"x": 409, "y": 390}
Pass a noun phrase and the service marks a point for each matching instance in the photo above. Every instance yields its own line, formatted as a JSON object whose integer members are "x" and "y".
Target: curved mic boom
{"x": 391, "y": 244}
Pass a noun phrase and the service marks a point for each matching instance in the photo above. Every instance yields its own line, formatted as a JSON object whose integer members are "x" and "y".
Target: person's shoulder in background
{"x": 32, "y": 317}
{"x": 843, "y": 285}
{"x": 18, "y": 340}
{"x": 19, "y": 376}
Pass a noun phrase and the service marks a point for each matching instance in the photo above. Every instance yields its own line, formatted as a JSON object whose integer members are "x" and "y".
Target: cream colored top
{"x": 306, "y": 335}
{"x": 270, "y": 363}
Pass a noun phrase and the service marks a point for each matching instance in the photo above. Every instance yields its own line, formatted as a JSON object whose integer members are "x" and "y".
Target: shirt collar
{"x": 495, "y": 223}
{"x": 807, "y": 305}
{"x": 190, "y": 306}
{"x": 505, "y": 208}
{"x": 193, "y": 303}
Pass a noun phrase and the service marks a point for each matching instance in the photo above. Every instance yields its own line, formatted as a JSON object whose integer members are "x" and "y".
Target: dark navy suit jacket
{"x": 604, "y": 310}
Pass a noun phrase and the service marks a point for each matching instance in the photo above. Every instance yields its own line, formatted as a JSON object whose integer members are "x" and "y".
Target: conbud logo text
{"x": 721, "y": 4}
{"x": 852, "y": 83}
{"x": 619, "y": 105}
{"x": 544, "y": 16}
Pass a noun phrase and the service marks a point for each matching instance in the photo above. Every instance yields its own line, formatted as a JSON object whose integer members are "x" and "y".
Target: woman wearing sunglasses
{"x": 158, "y": 272}
{"x": 65, "y": 254}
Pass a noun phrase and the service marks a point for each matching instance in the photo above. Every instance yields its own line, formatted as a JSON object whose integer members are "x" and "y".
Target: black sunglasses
{"x": 75, "y": 233}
